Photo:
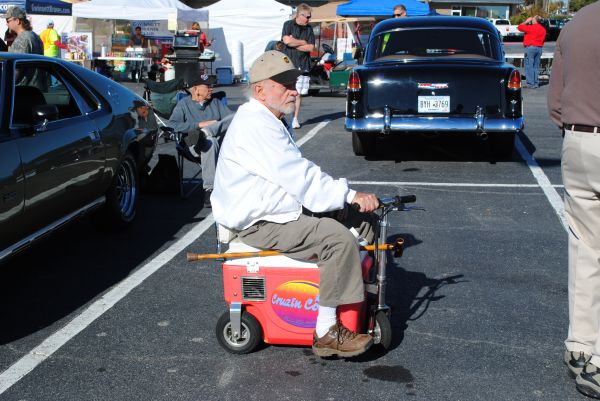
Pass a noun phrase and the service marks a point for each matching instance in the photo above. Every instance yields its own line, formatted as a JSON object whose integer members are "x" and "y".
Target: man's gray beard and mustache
{"x": 287, "y": 108}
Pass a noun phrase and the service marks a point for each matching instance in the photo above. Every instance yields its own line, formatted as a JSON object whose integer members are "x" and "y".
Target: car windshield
{"x": 433, "y": 43}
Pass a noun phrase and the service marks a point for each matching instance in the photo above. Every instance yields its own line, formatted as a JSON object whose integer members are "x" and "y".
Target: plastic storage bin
{"x": 224, "y": 75}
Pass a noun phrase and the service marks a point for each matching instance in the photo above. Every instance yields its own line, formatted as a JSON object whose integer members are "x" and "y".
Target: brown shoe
{"x": 341, "y": 341}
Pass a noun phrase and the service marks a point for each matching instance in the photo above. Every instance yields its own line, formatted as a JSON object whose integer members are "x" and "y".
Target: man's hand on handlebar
{"x": 367, "y": 202}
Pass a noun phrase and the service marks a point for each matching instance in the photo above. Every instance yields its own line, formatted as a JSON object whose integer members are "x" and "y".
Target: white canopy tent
{"x": 139, "y": 10}
{"x": 241, "y": 30}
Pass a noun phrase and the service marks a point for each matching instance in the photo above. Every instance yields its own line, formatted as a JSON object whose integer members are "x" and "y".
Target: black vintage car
{"x": 71, "y": 141}
{"x": 434, "y": 75}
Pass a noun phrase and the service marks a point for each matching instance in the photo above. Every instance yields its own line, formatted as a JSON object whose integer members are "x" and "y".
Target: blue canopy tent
{"x": 381, "y": 8}
{"x": 39, "y": 7}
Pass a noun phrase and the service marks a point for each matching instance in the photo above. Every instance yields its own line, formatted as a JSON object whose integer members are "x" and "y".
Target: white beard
{"x": 286, "y": 108}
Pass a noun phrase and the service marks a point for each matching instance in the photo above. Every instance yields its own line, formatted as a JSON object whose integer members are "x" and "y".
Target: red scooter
{"x": 275, "y": 299}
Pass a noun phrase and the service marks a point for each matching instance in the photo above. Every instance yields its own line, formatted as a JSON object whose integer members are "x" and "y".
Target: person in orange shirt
{"x": 535, "y": 35}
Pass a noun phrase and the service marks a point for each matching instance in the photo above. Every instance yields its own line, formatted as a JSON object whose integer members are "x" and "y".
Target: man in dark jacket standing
{"x": 299, "y": 40}
{"x": 535, "y": 35}
{"x": 573, "y": 105}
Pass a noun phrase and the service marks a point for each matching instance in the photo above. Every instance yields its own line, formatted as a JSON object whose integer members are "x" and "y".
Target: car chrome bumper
{"x": 435, "y": 124}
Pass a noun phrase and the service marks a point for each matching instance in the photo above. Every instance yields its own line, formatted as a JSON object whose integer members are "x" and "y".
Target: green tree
{"x": 576, "y": 5}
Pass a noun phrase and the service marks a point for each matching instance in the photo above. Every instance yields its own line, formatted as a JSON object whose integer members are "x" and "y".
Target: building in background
{"x": 470, "y": 8}
{"x": 477, "y": 8}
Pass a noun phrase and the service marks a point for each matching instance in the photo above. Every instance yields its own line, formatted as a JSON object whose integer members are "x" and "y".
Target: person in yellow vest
{"x": 51, "y": 41}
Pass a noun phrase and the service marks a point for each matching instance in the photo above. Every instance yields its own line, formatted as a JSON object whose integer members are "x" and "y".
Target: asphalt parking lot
{"x": 479, "y": 296}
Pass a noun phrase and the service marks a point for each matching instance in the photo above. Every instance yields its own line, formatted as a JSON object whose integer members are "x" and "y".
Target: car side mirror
{"x": 44, "y": 112}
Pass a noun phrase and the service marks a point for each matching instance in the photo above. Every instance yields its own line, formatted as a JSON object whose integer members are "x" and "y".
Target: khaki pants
{"x": 581, "y": 177}
{"x": 324, "y": 239}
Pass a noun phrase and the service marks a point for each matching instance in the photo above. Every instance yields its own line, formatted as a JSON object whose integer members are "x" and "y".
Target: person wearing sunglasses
{"x": 399, "y": 11}
{"x": 299, "y": 40}
{"x": 26, "y": 41}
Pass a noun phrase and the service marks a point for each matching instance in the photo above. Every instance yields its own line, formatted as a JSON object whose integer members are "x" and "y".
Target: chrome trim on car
{"x": 435, "y": 124}
{"x": 51, "y": 227}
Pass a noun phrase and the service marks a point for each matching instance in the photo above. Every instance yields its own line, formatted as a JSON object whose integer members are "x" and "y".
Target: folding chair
{"x": 163, "y": 96}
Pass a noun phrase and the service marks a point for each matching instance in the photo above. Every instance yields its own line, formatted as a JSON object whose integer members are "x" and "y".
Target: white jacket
{"x": 261, "y": 174}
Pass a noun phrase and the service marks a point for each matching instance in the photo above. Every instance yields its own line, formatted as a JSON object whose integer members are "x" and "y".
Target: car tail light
{"x": 514, "y": 82}
{"x": 353, "y": 82}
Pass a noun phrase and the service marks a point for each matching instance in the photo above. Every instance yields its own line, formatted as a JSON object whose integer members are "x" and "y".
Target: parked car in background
{"x": 553, "y": 28}
{"x": 507, "y": 30}
{"x": 71, "y": 141}
{"x": 443, "y": 75}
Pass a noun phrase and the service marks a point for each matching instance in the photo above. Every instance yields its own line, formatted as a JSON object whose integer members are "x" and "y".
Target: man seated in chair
{"x": 205, "y": 120}
{"x": 263, "y": 183}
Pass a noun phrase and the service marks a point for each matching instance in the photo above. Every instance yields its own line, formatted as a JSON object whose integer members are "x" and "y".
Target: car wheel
{"x": 363, "y": 144}
{"x": 122, "y": 196}
{"x": 502, "y": 144}
{"x": 250, "y": 336}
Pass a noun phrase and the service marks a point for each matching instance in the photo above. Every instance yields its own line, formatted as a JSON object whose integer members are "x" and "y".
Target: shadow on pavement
{"x": 57, "y": 276}
{"x": 330, "y": 116}
{"x": 433, "y": 147}
{"x": 530, "y": 147}
{"x": 403, "y": 296}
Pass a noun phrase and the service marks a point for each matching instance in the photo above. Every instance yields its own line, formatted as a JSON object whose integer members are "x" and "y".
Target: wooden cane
{"x": 191, "y": 257}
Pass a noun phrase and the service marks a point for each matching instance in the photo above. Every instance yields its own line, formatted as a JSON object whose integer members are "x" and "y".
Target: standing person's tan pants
{"x": 325, "y": 239}
{"x": 581, "y": 177}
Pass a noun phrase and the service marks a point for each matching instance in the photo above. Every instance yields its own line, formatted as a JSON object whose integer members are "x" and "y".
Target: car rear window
{"x": 433, "y": 43}
{"x": 502, "y": 22}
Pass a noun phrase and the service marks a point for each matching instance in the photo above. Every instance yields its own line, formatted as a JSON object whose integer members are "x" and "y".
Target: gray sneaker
{"x": 588, "y": 381}
{"x": 575, "y": 361}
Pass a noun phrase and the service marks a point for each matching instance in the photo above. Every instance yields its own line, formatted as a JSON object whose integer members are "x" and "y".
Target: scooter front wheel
{"x": 382, "y": 333}
{"x": 250, "y": 334}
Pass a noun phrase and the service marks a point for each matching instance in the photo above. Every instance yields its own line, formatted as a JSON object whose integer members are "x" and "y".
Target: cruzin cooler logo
{"x": 297, "y": 303}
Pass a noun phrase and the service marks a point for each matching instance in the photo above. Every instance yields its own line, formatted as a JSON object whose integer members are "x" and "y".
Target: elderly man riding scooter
{"x": 262, "y": 183}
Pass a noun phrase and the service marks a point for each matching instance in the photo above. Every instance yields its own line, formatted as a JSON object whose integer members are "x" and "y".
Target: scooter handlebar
{"x": 395, "y": 201}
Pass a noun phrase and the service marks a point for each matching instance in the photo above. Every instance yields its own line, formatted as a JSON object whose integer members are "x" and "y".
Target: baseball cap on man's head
{"x": 15, "y": 12}
{"x": 273, "y": 65}
{"x": 50, "y": 22}
{"x": 203, "y": 79}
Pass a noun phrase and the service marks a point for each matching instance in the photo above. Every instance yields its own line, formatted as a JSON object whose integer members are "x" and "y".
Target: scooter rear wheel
{"x": 382, "y": 334}
{"x": 250, "y": 336}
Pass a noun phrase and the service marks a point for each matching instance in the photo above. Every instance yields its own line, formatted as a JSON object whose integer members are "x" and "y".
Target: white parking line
{"x": 553, "y": 197}
{"x": 37, "y": 355}
{"x": 542, "y": 182}
{"x": 312, "y": 133}
{"x": 51, "y": 344}
{"x": 445, "y": 184}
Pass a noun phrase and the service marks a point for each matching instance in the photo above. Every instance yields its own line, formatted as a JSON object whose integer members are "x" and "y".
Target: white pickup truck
{"x": 506, "y": 29}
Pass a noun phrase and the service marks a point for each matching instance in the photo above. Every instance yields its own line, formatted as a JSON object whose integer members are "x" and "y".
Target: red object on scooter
{"x": 283, "y": 295}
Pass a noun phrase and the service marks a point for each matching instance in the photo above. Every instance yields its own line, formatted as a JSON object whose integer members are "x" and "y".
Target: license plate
{"x": 434, "y": 104}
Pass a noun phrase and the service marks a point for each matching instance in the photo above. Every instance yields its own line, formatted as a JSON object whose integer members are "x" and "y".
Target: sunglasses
{"x": 10, "y": 19}
{"x": 398, "y": 15}
{"x": 306, "y": 16}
